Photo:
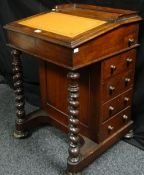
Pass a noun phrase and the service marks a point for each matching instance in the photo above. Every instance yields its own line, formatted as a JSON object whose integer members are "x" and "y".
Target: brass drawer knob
{"x": 131, "y": 41}
{"x": 111, "y": 108}
{"x": 111, "y": 89}
{"x": 126, "y": 99}
{"x": 110, "y": 128}
{"x": 125, "y": 117}
{"x": 113, "y": 68}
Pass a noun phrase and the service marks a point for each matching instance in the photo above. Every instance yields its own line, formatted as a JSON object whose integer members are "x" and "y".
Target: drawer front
{"x": 114, "y": 124}
{"x": 117, "y": 85}
{"x": 118, "y": 64}
{"x": 114, "y": 106}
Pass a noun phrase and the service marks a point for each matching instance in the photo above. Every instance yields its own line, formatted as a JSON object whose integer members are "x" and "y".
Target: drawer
{"x": 118, "y": 64}
{"x": 112, "y": 125}
{"x": 117, "y": 85}
{"x": 114, "y": 106}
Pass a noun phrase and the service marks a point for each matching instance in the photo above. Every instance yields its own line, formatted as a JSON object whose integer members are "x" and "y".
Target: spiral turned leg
{"x": 19, "y": 94}
{"x": 74, "y": 146}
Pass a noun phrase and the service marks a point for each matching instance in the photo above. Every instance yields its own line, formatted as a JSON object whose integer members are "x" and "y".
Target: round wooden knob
{"x": 111, "y": 108}
{"x": 131, "y": 41}
{"x": 113, "y": 68}
{"x": 126, "y": 99}
{"x": 110, "y": 128}
{"x": 125, "y": 117}
{"x": 111, "y": 89}
{"x": 127, "y": 80}
{"x": 129, "y": 60}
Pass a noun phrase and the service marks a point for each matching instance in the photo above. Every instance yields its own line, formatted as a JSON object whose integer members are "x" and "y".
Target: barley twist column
{"x": 74, "y": 146}
{"x": 19, "y": 93}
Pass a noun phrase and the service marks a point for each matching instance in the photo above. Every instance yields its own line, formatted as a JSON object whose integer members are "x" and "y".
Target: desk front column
{"x": 19, "y": 94}
{"x": 73, "y": 111}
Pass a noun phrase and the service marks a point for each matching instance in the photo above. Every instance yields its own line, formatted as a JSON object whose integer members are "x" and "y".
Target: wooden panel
{"x": 116, "y": 105}
{"x": 117, "y": 85}
{"x": 118, "y": 64}
{"x": 114, "y": 124}
{"x": 57, "y": 88}
{"x": 42, "y": 80}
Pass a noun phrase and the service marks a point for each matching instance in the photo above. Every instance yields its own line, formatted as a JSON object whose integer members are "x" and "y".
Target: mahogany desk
{"x": 87, "y": 56}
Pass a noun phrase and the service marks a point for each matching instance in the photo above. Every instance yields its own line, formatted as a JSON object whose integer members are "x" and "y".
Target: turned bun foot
{"x": 20, "y": 134}
{"x": 129, "y": 135}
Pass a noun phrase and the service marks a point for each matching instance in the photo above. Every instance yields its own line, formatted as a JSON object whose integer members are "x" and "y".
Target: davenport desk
{"x": 87, "y": 60}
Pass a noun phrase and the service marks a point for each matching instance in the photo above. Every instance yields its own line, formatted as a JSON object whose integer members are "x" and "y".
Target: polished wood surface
{"x": 86, "y": 79}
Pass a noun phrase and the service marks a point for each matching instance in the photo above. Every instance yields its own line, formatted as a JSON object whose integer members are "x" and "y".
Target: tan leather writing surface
{"x": 63, "y": 24}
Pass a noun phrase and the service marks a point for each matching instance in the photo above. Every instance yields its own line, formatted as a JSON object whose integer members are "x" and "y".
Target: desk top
{"x": 71, "y": 25}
